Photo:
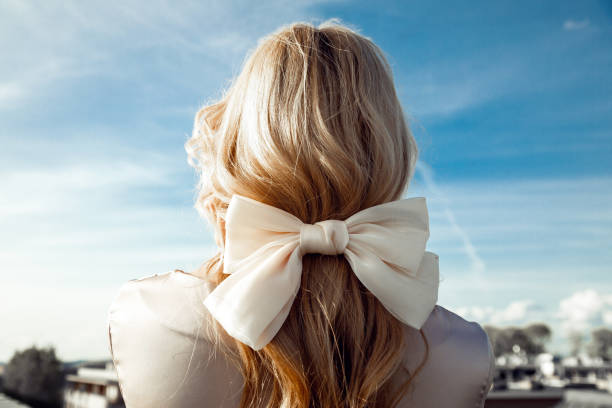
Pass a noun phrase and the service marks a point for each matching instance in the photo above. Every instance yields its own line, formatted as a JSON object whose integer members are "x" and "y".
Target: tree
{"x": 500, "y": 339}
{"x": 35, "y": 375}
{"x": 531, "y": 339}
{"x": 576, "y": 340}
{"x": 520, "y": 337}
{"x": 539, "y": 333}
{"x": 601, "y": 344}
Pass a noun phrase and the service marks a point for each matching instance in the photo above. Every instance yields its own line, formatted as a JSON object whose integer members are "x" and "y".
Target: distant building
{"x": 549, "y": 381}
{"x": 93, "y": 387}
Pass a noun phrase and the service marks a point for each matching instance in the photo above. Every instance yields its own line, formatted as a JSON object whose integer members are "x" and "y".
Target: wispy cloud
{"x": 535, "y": 214}
{"x": 478, "y": 265}
{"x": 101, "y": 39}
{"x": 436, "y": 91}
{"x": 572, "y": 25}
{"x": 49, "y": 191}
{"x": 516, "y": 312}
{"x": 539, "y": 239}
{"x": 95, "y": 187}
{"x": 75, "y": 233}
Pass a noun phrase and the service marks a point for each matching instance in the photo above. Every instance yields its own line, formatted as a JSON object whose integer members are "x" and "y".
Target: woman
{"x": 296, "y": 310}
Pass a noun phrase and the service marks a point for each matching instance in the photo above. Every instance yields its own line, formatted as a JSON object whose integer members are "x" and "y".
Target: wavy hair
{"x": 312, "y": 125}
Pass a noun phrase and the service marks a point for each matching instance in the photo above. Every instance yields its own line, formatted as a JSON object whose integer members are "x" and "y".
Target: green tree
{"x": 601, "y": 344}
{"x": 35, "y": 375}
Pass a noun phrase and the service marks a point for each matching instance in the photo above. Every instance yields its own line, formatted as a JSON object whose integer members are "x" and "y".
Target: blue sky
{"x": 511, "y": 105}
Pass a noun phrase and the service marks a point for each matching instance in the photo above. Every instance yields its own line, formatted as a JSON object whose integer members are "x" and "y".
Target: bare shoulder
{"x": 157, "y": 333}
{"x": 456, "y": 345}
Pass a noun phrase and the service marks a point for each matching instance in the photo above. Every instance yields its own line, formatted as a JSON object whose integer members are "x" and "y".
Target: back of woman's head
{"x": 312, "y": 125}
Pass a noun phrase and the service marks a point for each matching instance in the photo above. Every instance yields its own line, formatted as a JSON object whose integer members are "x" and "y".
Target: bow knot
{"x": 264, "y": 245}
{"x": 324, "y": 237}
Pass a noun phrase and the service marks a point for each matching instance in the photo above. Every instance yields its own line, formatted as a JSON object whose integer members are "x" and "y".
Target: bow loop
{"x": 384, "y": 244}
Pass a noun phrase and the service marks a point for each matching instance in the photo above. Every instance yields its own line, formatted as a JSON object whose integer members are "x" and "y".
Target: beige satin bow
{"x": 384, "y": 244}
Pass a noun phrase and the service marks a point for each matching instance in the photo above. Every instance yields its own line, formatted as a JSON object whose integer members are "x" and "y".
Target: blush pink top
{"x": 163, "y": 358}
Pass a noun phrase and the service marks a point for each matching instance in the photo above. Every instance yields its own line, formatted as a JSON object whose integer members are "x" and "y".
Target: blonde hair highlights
{"x": 311, "y": 125}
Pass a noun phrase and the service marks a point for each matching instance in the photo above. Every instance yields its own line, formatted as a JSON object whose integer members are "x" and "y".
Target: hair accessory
{"x": 384, "y": 244}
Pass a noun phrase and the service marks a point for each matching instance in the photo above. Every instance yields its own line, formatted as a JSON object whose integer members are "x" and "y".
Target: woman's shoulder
{"x": 158, "y": 335}
{"x": 160, "y": 347}
{"x": 460, "y": 359}
{"x": 448, "y": 328}
{"x": 173, "y": 298}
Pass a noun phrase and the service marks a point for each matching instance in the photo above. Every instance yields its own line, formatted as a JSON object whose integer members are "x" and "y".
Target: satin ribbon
{"x": 384, "y": 245}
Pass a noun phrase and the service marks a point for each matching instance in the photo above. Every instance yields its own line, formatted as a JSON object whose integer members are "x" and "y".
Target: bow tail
{"x": 253, "y": 301}
{"x": 408, "y": 297}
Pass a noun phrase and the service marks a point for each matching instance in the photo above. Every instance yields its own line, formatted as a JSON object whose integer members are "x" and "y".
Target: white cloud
{"x": 515, "y": 312}
{"x": 9, "y": 93}
{"x": 607, "y": 317}
{"x": 585, "y": 309}
{"x": 571, "y": 25}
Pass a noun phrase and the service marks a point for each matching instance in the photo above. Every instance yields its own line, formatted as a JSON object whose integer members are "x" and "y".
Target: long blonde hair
{"x": 311, "y": 125}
